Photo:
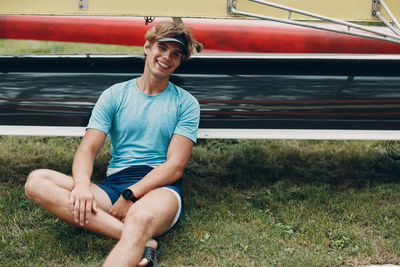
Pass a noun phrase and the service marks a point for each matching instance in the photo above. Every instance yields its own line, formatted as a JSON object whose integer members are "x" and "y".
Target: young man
{"x": 152, "y": 125}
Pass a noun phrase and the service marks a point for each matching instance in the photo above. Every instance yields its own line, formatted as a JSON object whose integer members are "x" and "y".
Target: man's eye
{"x": 178, "y": 55}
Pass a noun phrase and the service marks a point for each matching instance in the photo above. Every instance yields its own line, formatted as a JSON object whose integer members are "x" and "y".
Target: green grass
{"x": 247, "y": 203}
{"x": 14, "y": 46}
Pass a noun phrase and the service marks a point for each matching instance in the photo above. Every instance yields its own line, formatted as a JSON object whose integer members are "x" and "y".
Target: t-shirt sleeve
{"x": 189, "y": 119}
{"x": 103, "y": 113}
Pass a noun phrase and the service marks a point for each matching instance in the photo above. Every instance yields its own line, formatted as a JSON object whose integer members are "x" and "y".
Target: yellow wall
{"x": 351, "y": 10}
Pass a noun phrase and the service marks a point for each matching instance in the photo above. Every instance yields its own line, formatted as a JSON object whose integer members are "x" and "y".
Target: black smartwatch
{"x": 128, "y": 195}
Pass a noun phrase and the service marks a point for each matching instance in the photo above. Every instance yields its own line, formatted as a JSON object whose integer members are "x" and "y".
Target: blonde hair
{"x": 166, "y": 29}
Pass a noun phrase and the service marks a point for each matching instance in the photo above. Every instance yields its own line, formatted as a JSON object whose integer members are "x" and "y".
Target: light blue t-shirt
{"x": 140, "y": 126}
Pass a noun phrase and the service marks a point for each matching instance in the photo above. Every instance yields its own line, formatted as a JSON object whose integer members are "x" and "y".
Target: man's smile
{"x": 164, "y": 65}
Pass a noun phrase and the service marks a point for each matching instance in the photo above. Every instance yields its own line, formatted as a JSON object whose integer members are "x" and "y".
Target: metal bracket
{"x": 376, "y": 12}
{"x": 350, "y": 28}
{"x": 231, "y": 6}
{"x": 376, "y": 8}
{"x": 83, "y": 5}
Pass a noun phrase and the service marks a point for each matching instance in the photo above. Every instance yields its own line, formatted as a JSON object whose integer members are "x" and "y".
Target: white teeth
{"x": 163, "y": 65}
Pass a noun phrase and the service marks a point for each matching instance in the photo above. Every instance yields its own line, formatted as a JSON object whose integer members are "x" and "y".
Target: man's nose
{"x": 167, "y": 54}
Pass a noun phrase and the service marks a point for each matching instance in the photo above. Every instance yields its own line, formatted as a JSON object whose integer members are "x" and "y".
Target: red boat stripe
{"x": 223, "y": 35}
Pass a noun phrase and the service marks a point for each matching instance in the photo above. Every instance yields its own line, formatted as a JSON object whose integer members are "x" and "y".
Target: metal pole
{"x": 302, "y": 12}
{"x": 370, "y": 33}
{"x": 389, "y": 12}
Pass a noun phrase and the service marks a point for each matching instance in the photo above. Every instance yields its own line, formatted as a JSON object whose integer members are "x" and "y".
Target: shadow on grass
{"x": 252, "y": 163}
{"x": 233, "y": 163}
{"x": 20, "y": 155}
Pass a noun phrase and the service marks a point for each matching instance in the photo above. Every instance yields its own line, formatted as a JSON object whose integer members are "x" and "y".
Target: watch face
{"x": 127, "y": 194}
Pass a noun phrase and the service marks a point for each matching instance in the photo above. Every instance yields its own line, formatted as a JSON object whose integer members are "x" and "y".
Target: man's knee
{"x": 35, "y": 183}
{"x": 139, "y": 219}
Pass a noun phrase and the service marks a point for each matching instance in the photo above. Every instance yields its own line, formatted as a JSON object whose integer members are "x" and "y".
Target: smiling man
{"x": 152, "y": 125}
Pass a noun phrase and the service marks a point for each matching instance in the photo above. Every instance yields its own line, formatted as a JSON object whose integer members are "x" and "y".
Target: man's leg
{"x": 52, "y": 189}
{"x": 149, "y": 217}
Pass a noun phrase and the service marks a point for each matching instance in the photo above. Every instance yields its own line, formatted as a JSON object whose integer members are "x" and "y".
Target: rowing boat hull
{"x": 215, "y": 35}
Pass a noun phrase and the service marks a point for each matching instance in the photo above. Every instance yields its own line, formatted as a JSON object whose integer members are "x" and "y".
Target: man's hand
{"x": 120, "y": 208}
{"x": 82, "y": 203}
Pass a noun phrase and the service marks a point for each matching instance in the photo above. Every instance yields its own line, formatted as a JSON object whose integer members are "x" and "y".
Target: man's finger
{"x": 94, "y": 206}
{"x": 82, "y": 212}
{"x": 76, "y": 211}
{"x": 71, "y": 202}
{"x": 88, "y": 211}
{"x": 111, "y": 211}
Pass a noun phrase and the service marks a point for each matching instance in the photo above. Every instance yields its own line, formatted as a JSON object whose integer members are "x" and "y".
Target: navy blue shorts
{"x": 116, "y": 183}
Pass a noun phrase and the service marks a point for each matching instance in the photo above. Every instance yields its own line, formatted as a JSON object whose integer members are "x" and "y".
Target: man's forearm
{"x": 164, "y": 174}
{"x": 170, "y": 171}
{"x": 82, "y": 167}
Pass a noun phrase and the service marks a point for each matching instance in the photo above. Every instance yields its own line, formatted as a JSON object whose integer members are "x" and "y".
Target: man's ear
{"x": 147, "y": 47}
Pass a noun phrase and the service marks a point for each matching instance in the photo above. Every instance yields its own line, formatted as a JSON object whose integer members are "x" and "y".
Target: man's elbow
{"x": 179, "y": 171}
{"x": 178, "y": 168}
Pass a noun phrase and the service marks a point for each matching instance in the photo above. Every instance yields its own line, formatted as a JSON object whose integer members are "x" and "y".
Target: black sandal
{"x": 152, "y": 255}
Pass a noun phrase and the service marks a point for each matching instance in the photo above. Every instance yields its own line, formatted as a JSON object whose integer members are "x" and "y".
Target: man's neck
{"x": 151, "y": 86}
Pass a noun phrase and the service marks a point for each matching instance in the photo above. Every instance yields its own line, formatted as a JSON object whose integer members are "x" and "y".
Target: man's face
{"x": 163, "y": 58}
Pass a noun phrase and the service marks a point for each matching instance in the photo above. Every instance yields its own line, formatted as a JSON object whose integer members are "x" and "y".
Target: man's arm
{"x": 170, "y": 171}
{"x": 82, "y": 199}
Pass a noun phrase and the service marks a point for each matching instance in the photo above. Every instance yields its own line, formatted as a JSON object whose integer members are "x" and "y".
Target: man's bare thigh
{"x": 102, "y": 199}
{"x": 163, "y": 204}
{"x": 66, "y": 182}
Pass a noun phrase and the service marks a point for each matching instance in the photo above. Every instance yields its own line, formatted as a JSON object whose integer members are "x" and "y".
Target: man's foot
{"x": 152, "y": 244}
